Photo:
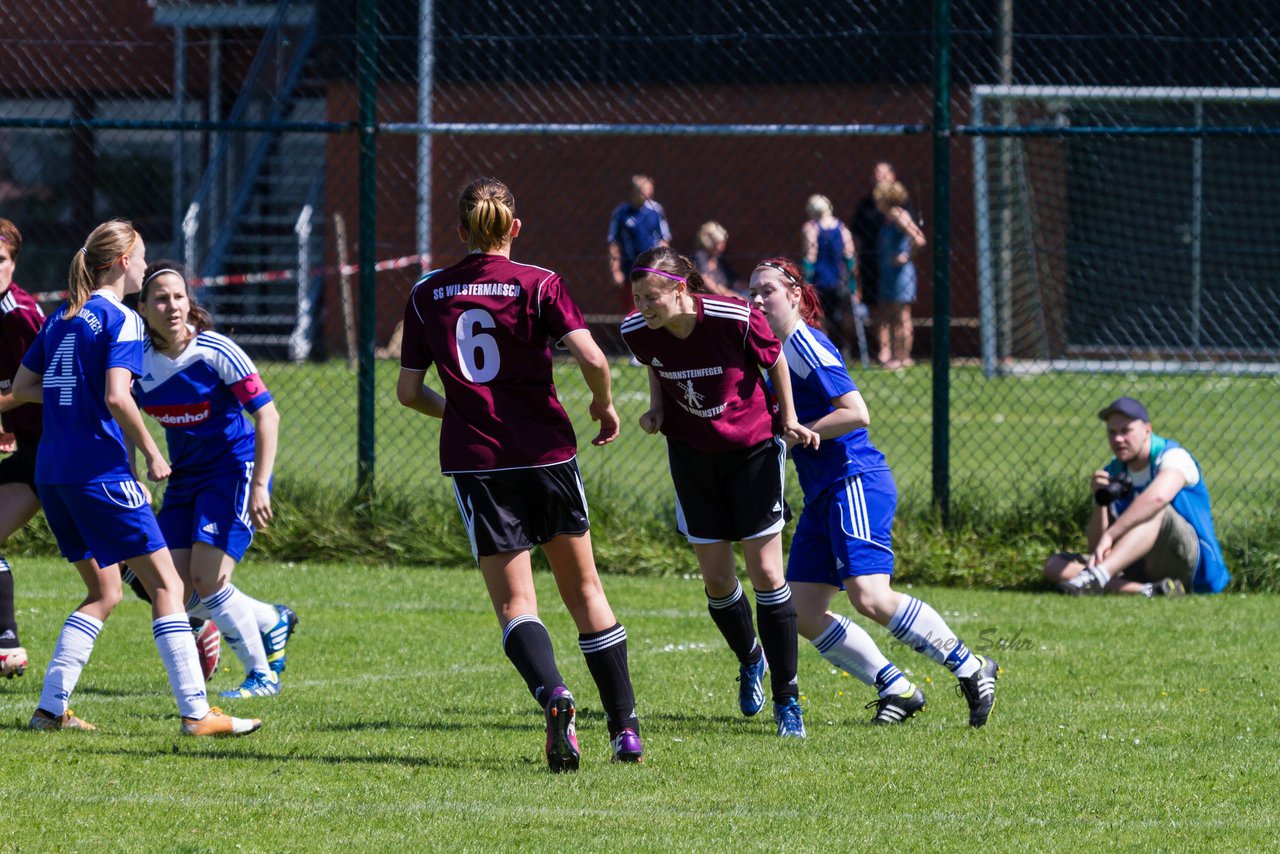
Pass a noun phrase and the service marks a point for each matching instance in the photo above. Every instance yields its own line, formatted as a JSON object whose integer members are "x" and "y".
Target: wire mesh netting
{"x": 1112, "y": 230}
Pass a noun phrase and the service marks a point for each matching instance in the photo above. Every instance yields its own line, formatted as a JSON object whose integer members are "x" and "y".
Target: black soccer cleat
{"x": 979, "y": 691}
{"x": 896, "y": 708}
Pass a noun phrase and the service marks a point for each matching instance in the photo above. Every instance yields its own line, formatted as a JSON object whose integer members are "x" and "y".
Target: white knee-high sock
{"x": 70, "y": 655}
{"x": 232, "y": 613}
{"x": 847, "y": 645}
{"x": 177, "y": 648}
{"x": 923, "y": 629}
{"x": 196, "y": 608}
{"x": 266, "y": 614}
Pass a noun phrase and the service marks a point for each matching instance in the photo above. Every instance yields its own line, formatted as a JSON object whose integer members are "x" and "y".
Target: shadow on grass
{"x": 195, "y": 752}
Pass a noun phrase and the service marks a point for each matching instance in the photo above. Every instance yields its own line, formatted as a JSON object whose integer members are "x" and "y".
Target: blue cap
{"x": 1125, "y": 406}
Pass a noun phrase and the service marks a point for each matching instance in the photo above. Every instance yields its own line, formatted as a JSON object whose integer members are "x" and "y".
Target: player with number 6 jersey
{"x": 486, "y": 324}
{"x": 81, "y": 367}
{"x": 200, "y": 386}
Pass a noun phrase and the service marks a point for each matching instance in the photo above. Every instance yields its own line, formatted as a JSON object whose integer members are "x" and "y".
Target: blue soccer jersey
{"x": 81, "y": 442}
{"x": 200, "y": 398}
{"x": 818, "y": 376}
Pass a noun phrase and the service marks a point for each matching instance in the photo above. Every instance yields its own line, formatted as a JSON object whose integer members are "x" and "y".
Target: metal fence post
{"x": 942, "y": 258}
{"x": 367, "y": 74}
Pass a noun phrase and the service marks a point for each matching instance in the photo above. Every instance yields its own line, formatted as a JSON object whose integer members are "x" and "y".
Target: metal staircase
{"x": 253, "y": 230}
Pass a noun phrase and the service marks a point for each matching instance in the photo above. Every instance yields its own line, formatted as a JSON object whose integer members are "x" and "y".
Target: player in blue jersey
{"x": 81, "y": 367}
{"x": 199, "y": 385}
{"x": 842, "y": 540}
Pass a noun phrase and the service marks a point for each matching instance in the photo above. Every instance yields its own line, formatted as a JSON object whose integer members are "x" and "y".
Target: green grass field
{"x": 1142, "y": 725}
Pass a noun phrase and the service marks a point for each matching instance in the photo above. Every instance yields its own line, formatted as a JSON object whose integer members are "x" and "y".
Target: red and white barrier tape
{"x": 273, "y": 275}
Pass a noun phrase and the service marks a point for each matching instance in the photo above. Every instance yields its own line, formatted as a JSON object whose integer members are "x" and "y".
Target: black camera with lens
{"x": 1121, "y": 486}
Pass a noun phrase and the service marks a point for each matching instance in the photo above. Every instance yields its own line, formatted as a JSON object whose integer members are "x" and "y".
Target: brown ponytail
{"x": 198, "y": 317}
{"x": 671, "y": 266}
{"x": 810, "y": 303}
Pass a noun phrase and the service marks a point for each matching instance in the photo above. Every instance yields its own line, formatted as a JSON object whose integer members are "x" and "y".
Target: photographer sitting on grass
{"x": 1151, "y": 531}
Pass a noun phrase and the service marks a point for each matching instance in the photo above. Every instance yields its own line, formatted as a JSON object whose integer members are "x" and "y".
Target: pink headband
{"x": 659, "y": 273}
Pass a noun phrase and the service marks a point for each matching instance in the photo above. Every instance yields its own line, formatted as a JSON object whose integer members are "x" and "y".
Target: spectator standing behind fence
{"x": 717, "y": 273}
{"x": 829, "y": 263}
{"x": 1151, "y": 531}
{"x": 20, "y": 321}
{"x": 899, "y": 238}
{"x": 487, "y": 324}
{"x": 200, "y": 386}
{"x": 637, "y": 225}
{"x": 705, "y": 355}
{"x": 844, "y": 536}
{"x": 866, "y": 224}
{"x": 81, "y": 367}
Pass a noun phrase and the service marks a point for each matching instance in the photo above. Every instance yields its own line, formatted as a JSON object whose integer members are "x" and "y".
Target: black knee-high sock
{"x": 8, "y": 623}
{"x": 732, "y": 616}
{"x": 606, "y": 655}
{"x": 528, "y": 645}
{"x": 777, "y": 616}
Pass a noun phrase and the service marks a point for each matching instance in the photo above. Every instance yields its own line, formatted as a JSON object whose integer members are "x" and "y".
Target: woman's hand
{"x": 260, "y": 506}
{"x": 609, "y": 423}
{"x": 651, "y": 421}
{"x": 795, "y": 433}
{"x": 157, "y": 468}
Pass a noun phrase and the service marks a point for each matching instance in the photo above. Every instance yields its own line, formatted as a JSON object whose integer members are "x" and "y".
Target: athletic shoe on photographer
{"x": 1084, "y": 583}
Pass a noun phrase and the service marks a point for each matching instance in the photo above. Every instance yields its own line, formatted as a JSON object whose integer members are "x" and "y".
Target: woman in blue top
{"x": 899, "y": 238}
{"x": 842, "y": 540}
{"x": 200, "y": 385}
{"x": 81, "y": 367}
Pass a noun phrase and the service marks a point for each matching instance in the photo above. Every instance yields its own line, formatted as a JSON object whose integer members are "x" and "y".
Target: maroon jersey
{"x": 487, "y": 324}
{"x": 713, "y": 394}
{"x": 20, "y": 320}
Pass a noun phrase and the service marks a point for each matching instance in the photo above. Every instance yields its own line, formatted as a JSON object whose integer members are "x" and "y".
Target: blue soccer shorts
{"x": 210, "y": 508}
{"x": 846, "y": 531}
{"x": 108, "y": 522}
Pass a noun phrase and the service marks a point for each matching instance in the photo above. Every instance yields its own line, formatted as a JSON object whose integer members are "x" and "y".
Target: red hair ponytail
{"x": 810, "y": 304}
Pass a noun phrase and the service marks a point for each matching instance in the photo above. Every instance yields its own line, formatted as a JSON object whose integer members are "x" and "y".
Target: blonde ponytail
{"x": 106, "y": 245}
{"x": 486, "y": 210}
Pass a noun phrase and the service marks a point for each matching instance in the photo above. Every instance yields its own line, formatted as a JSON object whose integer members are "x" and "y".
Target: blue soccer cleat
{"x": 256, "y": 684}
{"x": 275, "y": 640}
{"x": 751, "y": 686}
{"x": 790, "y": 718}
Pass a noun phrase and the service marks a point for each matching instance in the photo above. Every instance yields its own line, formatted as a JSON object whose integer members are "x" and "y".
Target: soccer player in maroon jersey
{"x": 486, "y": 324}
{"x": 707, "y": 395}
{"x": 20, "y": 320}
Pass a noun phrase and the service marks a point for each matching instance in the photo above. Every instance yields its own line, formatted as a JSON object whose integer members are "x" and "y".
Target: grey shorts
{"x": 1174, "y": 554}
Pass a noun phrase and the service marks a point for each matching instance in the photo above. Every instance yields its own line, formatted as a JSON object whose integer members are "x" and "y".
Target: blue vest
{"x": 1192, "y": 504}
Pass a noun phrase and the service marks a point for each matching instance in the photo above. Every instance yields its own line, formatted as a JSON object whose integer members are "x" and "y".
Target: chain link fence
{"x": 1111, "y": 225}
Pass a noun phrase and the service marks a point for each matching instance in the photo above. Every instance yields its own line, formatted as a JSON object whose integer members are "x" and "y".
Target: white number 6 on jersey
{"x": 476, "y": 346}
